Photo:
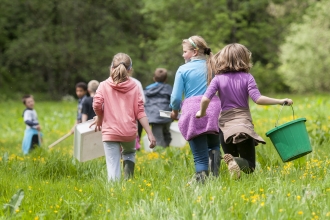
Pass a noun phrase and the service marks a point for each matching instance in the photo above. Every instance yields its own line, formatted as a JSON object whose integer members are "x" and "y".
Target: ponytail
{"x": 210, "y": 65}
{"x": 120, "y": 66}
{"x": 119, "y": 74}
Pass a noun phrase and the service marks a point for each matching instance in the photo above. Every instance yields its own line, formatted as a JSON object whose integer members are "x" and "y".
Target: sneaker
{"x": 234, "y": 170}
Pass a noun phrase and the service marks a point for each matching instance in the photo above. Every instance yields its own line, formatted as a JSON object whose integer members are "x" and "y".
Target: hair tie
{"x": 192, "y": 43}
{"x": 207, "y": 51}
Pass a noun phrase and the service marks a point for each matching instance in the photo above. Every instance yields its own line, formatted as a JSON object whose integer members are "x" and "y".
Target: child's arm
{"x": 98, "y": 102}
{"x": 176, "y": 96}
{"x": 84, "y": 111}
{"x": 204, "y": 104}
{"x": 210, "y": 92}
{"x": 84, "y": 117}
{"x": 264, "y": 100}
{"x": 145, "y": 124}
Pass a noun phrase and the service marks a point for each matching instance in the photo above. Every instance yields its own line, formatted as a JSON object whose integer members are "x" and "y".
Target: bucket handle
{"x": 285, "y": 103}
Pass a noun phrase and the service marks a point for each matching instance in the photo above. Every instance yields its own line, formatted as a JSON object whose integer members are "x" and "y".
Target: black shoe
{"x": 128, "y": 169}
{"x": 214, "y": 162}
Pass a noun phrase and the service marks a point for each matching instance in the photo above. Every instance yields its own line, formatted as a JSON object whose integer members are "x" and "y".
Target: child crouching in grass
{"x": 32, "y": 131}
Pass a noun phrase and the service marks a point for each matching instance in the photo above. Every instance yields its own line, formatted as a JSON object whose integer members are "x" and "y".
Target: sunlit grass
{"x": 57, "y": 186}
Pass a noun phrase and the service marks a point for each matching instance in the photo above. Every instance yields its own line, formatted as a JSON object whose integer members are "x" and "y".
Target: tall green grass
{"x": 56, "y": 186}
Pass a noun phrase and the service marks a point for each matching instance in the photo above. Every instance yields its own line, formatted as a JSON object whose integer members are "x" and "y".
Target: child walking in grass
{"x": 87, "y": 112}
{"x": 158, "y": 95}
{"x": 191, "y": 80}
{"x": 118, "y": 105}
{"x": 234, "y": 85}
{"x": 32, "y": 131}
{"x": 81, "y": 92}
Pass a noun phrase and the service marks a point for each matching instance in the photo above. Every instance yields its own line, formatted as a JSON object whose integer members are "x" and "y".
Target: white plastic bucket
{"x": 177, "y": 138}
{"x": 146, "y": 144}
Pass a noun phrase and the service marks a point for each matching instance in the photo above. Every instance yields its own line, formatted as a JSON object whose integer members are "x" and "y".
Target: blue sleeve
{"x": 178, "y": 87}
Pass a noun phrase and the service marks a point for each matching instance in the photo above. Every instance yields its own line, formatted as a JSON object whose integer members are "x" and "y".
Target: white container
{"x": 88, "y": 144}
{"x": 146, "y": 144}
{"x": 177, "y": 138}
{"x": 167, "y": 114}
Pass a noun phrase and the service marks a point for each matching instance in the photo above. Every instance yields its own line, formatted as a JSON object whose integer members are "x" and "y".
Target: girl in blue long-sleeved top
{"x": 31, "y": 134}
{"x": 191, "y": 81}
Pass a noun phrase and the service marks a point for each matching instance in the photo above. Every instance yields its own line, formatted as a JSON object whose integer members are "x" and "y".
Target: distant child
{"x": 158, "y": 96}
{"x": 118, "y": 105}
{"x": 235, "y": 84}
{"x": 191, "y": 80}
{"x": 81, "y": 92}
{"x": 87, "y": 106}
{"x": 140, "y": 128}
{"x": 32, "y": 131}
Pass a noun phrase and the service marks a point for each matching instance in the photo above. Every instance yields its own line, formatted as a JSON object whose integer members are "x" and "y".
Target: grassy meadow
{"x": 52, "y": 184}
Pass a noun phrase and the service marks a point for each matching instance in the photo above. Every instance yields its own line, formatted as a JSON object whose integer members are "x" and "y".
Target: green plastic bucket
{"x": 291, "y": 139}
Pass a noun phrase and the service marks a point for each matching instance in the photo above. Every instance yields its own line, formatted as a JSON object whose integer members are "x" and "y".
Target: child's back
{"x": 234, "y": 89}
{"x": 118, "y": 104}
{"x": 158, "y": 97}
{"x": 119, "y": 122}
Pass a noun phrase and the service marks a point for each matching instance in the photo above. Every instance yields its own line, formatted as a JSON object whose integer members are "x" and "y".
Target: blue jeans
{"x": 200, "y": 147}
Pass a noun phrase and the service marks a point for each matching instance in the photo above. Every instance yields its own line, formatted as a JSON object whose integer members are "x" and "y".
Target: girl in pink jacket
{"x": 118, "y": 104}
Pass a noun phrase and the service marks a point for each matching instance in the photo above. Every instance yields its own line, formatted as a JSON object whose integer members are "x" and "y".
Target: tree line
{"x": 48, "y": 46}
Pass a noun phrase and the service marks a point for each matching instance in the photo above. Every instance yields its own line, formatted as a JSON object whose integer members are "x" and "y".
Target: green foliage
{"x": 14, "y": 202}
{"x": 305, "y": 53}
{"x": 48, "y": 46}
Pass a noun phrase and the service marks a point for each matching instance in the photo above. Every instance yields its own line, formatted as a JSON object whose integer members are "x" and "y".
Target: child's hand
{"x": 199, "y": 114}
{"x": 174, "y": 115}
{"x": 152, "y": 140}
{"x": 38, "y": 127}
{"x": 286, "y": 101}
{"x": 98, "y": 123}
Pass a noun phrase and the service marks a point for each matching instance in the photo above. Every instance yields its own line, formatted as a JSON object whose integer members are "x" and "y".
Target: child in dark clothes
{"x": 158, "y": 97}
{"x": 87, "y": 107}
{"x": 81, "y": 92}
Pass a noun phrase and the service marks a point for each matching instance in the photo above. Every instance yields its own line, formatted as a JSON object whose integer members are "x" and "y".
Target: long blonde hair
{"x": 120, "y": 66}
{"x": 198, "y": 43}
{"x": 233, "y": 58}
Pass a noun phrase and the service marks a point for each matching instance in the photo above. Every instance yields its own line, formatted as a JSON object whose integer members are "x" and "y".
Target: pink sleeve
{"x": 212, "y": 89}
{"x": 98, "y": 101}
{"x": 140, "y": 106}
{"x": 254, "y": 92}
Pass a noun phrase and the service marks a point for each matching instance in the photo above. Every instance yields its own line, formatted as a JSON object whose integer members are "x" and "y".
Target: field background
{"x": 57, "y": 186}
